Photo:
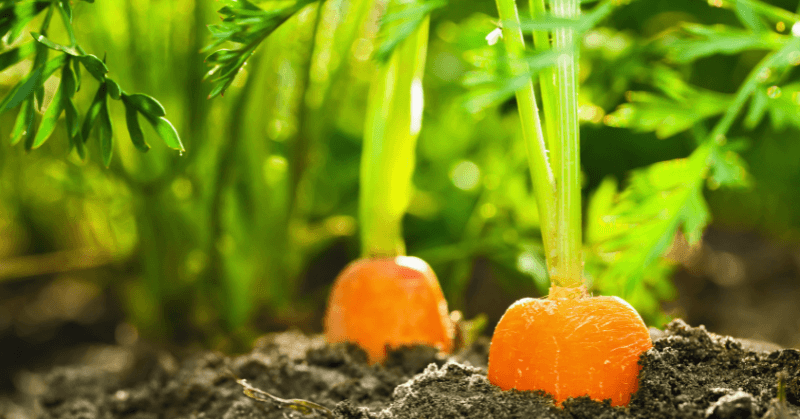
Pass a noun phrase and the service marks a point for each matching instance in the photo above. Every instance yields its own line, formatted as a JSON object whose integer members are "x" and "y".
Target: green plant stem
{"x": 569, "y": 263}
{"x": 541, "y": 173}
{"x": 767, "y": 10}
{"x": 748, "y": 87}
{"x": 547, "y": 83}
{"x": 394, "y": 118}
{"x": 303, "y": 141}
{"x": 225, "y": 176}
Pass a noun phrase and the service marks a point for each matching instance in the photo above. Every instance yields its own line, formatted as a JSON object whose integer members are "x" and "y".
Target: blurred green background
{"x": 245, "y": 232}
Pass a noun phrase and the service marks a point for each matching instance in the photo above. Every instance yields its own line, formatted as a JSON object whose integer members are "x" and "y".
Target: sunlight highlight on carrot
{"x": 386, "y": 303}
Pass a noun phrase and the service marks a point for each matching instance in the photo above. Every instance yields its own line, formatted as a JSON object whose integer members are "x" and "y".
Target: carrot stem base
{"x": 568, "y": 293}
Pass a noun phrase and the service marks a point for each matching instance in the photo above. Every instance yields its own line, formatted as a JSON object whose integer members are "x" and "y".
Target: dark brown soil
{"x": 689, "y": 373}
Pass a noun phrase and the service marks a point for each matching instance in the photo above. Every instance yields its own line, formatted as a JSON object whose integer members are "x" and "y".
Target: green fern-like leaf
{"x": 631, "y": 229}
{"x": 246, "y": 24}
{"x": 400, "y": 22}
{"x": 28, "y": 94}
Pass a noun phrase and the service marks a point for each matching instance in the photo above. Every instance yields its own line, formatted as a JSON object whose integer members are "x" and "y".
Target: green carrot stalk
{"x": 569, "y": 266}
{"x": 544, "y": 186}
{"x": 547, "y": 84}
{"x": 394, "y": 118}
{"x": 555, "y": 180}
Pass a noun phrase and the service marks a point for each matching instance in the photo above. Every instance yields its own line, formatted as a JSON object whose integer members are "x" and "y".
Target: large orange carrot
{"x": 569, "y": 344}
{"x": 570, "y": 347}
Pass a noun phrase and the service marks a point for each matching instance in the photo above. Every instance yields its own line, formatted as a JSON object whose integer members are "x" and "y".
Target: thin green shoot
{"x": 556, "y": 181}
{"x": 393, "y": 123}
{"x": 544, "y": 185}
{"x": 541, "y": 42}
{"x": 774, "y": 13}
{"x": 569, "y": 265}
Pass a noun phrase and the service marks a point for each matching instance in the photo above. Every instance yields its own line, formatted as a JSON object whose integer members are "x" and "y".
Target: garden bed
{"x": 689, "y": 373}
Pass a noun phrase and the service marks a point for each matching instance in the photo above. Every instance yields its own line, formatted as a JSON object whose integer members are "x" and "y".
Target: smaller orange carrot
{"x": 386, "y": 303}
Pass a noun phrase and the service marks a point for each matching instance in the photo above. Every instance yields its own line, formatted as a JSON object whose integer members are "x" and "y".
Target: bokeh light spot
{"x": 465, "y": 175}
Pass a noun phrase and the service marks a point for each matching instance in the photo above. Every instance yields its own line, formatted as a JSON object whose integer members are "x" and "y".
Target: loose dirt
{"x": 689, "y": 373}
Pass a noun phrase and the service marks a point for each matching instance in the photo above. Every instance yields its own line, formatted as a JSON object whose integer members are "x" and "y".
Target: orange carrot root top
{"x": 388, "y": 302}
{"x": 570, "y": 347}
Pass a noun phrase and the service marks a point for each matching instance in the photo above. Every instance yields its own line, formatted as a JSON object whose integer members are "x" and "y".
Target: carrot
{"x": 385, "y": 299}
{"x": 569, "y": 347}
{"x": 569, "y": 344}
{"x": 385, "y": 303}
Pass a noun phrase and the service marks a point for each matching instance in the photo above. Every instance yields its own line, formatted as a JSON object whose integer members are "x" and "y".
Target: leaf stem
{"x": 569, "y": 263}
{"x": 767, "y": 10}
{"x": 394, "y": 118}
{"x": 748, "y": 87}
{"x": 547, "y": 83}
{"x": 544, "y": 186}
